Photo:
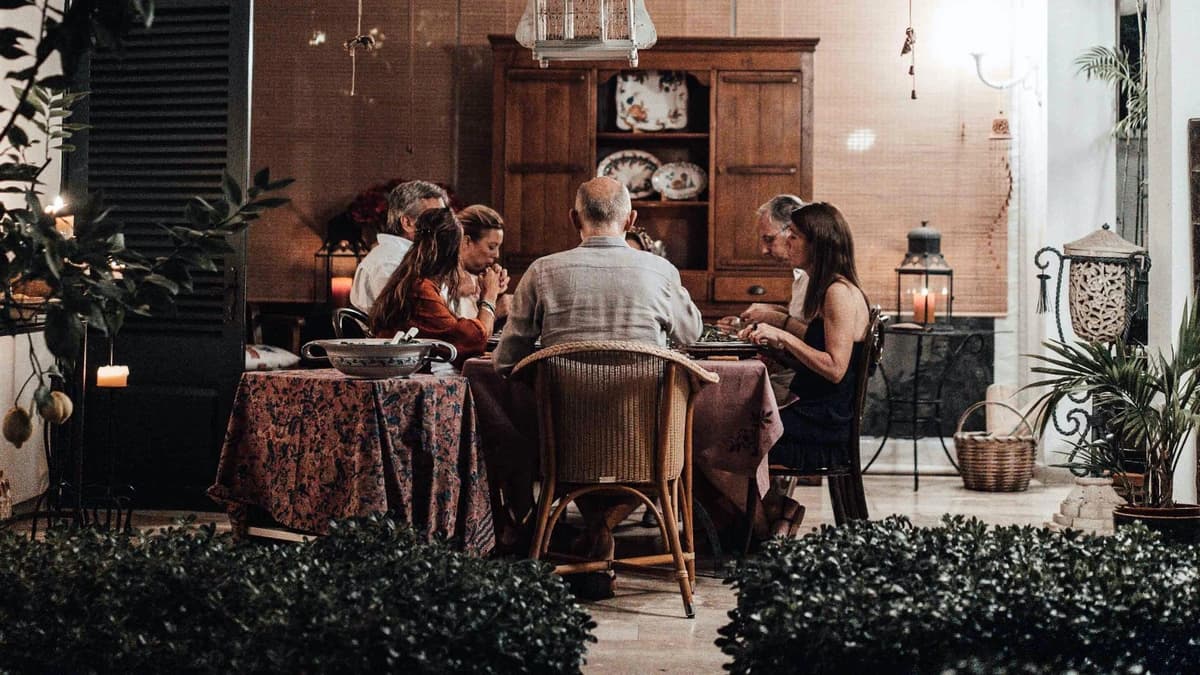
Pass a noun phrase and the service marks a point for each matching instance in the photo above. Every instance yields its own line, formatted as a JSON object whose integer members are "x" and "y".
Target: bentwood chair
{"x": 357, "y": 319}
{"x": 846, "y": 491}
{"x": 616, "y": 418}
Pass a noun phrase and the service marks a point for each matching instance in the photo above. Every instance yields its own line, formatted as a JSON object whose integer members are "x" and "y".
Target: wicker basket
{"x": 993, "y": 463}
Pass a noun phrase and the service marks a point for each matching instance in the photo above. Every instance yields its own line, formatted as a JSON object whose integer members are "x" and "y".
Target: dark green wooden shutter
{"x": 168, "y": 115}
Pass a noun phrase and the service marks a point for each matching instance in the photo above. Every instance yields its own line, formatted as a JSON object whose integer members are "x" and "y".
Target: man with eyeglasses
{"x": 774, "y": 229}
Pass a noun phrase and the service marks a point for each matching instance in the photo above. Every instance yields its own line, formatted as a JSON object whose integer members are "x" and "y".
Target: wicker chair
{"x": 356, "y": 317}
{"x": 845, "y": 483}
{"x": 616, "y": 418}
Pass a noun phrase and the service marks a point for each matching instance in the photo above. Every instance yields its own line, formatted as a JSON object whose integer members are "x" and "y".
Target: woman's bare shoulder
{"x": 846, "y": 301}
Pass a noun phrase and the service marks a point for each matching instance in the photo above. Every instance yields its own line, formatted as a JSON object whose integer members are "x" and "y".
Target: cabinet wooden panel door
{"x": 548, "y": 121}
{"x": 760, "y": 148}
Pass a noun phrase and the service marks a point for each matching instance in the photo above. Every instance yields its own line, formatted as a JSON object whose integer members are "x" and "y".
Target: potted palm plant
{"x": 1146, "y": 401}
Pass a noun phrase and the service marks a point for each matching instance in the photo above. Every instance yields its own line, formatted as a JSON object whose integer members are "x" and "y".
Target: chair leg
{"x": 545, "y": 500}
{"x": 858, "y": 498}
{"x": 838, "y": 497}
{"x": 672, "y": 531}
{"x": 751, "y": 512}
{"x": 689, "y": 539}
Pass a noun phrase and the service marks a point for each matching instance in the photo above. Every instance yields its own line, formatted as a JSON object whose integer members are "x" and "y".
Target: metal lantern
{"x": 586, "y": 30}
{"x": 1103, "y": 270}
{"x": 924, "y": 281}
{"x": 337, "y": 260}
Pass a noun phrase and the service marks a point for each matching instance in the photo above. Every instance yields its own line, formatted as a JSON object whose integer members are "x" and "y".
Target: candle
{"x": 339, "y": 290}
{"x": 65, "y": 226}
{"x": 112, "y": 376}
{"x": 924, "y": 306}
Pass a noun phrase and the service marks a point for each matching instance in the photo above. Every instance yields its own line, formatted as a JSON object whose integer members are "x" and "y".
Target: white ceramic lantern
{"x": 1101, "y": 283}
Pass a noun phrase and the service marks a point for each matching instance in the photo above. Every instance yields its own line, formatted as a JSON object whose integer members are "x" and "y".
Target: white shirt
{"x": 799, "y": 281}
{"x": 376, "y": 268}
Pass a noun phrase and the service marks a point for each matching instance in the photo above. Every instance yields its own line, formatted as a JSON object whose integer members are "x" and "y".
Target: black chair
{"x": 359, "y": 323}
{"x": 845, "y": 483}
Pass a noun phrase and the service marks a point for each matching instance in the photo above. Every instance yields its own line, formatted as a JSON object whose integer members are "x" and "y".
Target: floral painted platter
{"x": 679, "y": 180}
{"x": 652, "y": 100}
{"x": 633, "y": 168}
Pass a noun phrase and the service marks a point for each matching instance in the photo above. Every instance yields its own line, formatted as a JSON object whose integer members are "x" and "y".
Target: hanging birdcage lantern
{"x": 1103, "y": 270}
{"x": 586, "y": 30}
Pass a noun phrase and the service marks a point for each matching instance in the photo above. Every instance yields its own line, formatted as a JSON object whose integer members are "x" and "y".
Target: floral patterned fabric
{"x": 310, "y": 445}
{"x": 735, "y": 422}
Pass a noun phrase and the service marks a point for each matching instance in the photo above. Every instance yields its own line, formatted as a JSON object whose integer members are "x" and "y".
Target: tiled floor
{"x": 643, "y": 628}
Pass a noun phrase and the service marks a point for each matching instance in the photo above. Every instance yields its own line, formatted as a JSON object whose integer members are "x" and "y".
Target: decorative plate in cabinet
{"x": 679, "y": 180}
{"x": 652, "y": 100}
{"x": 633, "y": 168}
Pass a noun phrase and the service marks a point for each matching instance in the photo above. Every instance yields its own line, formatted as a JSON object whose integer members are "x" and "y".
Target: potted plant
{"x": 1146, "y": 401}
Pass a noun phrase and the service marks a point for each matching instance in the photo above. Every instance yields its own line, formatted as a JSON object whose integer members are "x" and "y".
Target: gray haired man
{"x": 405, "y": 203}
{"x": 773, "y": 220}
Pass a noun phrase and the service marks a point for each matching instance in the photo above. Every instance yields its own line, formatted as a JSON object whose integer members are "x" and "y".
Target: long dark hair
{"x": 434, "y": 255}
{"x": 830, "y": 250}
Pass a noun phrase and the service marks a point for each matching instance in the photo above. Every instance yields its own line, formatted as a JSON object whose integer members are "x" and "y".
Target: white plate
{"x": 634, "y": 168}
{"x": 679, "y": 180}
{"x": 652, "y": 100}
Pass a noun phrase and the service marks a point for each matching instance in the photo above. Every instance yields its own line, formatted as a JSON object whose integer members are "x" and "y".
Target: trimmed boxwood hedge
{"x": 369, "y": 597}
{"x": 886, "y": 596}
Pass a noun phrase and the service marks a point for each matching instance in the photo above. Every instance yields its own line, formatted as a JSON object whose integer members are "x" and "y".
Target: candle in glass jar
{"x": 339, "y": 290}
{"x": 112, "y": 376}
{"x": 924, "y": 306}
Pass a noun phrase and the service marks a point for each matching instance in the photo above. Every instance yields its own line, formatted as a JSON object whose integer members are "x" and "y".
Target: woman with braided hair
{"x": 414, "y": 297}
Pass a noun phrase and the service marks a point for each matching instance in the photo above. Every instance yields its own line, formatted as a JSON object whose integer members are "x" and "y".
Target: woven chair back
{"x": 613, "y": 412}
{"x": 614, "y": 416}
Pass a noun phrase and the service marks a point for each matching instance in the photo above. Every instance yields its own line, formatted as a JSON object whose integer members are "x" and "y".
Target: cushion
{"x": 269, "y": 357}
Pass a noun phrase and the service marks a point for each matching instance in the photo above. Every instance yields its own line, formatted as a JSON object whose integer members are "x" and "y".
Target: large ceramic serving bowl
{"x": 377, "y": 358}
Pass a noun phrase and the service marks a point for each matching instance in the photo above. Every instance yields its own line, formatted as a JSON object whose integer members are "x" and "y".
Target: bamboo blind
{"x": 931, "y": 159}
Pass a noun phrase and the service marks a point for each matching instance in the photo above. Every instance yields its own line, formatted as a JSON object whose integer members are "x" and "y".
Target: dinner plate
{"x": 633, "y": 168}
{"x": 652, "y": 100}
{"x": 679, "y": 180}
{"x": 725, "y": 348}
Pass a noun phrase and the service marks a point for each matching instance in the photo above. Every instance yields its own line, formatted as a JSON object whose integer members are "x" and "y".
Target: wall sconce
{"x": 586, "y": 30}
{"x": 1028, "y": 80}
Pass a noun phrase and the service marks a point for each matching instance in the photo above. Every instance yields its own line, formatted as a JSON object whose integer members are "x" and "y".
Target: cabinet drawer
{"x": 752, "y": 289}
{"x": 696, "y": 284}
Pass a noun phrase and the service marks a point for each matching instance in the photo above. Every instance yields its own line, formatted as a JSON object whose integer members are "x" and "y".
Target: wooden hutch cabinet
{"x": 749, "y": 117}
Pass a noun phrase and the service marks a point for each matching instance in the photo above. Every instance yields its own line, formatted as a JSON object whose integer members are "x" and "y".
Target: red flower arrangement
{"x": 369, "y": 209}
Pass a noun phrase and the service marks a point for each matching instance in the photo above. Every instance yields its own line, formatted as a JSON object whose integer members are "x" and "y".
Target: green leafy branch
{"x": 1150, "y": 401}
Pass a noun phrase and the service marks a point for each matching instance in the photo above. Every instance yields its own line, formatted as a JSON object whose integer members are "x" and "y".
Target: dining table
{"x": 735, "y": 424}
{"x": 304, "y": 447}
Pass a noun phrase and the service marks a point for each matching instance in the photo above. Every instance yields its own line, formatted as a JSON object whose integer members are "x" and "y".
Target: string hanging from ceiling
{"x": 910, "y": 48}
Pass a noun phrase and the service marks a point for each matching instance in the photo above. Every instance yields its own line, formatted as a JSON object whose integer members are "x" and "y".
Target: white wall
{"x": 1080, "y": 167}
{"x": 1173, "y": 54}
{"x": 25, "y": 466}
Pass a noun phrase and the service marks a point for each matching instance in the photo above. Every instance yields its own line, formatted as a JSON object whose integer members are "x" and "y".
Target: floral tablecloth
{"x": 735, "y": 423}
{"x": 306, "y": 446}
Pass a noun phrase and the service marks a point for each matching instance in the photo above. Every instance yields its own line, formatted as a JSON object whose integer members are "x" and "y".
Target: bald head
{"x": 602, "y": 206}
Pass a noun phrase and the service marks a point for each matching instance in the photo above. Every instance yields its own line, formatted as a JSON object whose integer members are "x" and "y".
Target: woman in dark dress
{"x": 835, "y": 317}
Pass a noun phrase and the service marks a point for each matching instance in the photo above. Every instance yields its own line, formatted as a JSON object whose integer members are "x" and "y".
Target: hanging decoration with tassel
{"x": 910, "y": 48}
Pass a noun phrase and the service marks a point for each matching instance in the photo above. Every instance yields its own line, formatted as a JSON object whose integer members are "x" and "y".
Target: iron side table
{"x": 917, "y": 410}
